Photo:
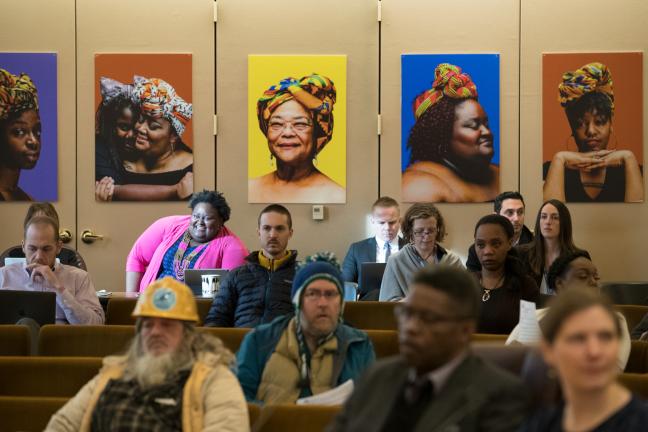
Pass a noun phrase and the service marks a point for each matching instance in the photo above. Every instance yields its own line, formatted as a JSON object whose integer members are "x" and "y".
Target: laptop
{"x": 193, "y": 278}
{"x": 370, "y": 279}
{"x": 37, "y": 305}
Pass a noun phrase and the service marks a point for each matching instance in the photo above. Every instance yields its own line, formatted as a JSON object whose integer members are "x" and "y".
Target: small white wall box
{"x": 318, "y": 212}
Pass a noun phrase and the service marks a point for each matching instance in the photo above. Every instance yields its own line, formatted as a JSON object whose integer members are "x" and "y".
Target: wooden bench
{"x": 15, "y": 340}
{"x": 46, "y": 376}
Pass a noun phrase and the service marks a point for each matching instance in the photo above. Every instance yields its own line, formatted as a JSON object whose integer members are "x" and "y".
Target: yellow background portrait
{"x": 267, "y": 70}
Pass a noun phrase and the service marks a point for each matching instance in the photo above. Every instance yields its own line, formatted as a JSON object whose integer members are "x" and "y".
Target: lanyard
{"x": 180, "y": 261}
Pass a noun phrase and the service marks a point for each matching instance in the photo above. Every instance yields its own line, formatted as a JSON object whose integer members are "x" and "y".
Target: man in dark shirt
{"x": 511, "y": 206}
{"x": 259, "y": 290}
{"x": 436, "y": 383}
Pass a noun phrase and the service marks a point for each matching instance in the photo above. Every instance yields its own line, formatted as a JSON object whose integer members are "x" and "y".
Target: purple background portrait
{"x": 42, "y": 181}
{"x": 417, "y": 75}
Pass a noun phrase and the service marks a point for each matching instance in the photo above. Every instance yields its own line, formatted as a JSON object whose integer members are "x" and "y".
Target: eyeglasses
{"x": 299, "y": 126}
{"x": 404, "y": 313}
{"x": 202, "y": 218}
{"x": 423, "y": 232}
{"x": 317, "y": 294}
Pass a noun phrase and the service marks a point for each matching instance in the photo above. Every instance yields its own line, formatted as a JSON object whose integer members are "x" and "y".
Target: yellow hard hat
{"x": 167, "y": 298}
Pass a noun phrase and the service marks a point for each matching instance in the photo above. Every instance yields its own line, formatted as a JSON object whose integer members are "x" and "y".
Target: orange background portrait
{"x": 172, "y": 68}
{"x": 627, "y": 84}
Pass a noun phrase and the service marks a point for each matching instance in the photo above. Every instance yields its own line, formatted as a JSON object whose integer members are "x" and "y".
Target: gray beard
{"x": 151, "y": 371}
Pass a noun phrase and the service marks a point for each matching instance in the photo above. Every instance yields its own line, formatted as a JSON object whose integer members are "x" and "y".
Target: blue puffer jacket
{"x": 355, "y": 354}
{"x": 251, "y": 294}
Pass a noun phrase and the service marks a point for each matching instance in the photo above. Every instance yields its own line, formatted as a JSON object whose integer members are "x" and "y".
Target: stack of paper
{"x": 335, "y": 396}
{"x": 529, "y": 328}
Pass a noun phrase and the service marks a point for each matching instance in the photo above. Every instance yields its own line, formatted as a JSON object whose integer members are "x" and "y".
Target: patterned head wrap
{"x": 449, "y": 81}
{"x": 111, "y": 89}
{"x": 158, "y": 99}
{"x": 17, "y": 93}
{"x": 593, "y": 77}
{"x": 315, "y": 92}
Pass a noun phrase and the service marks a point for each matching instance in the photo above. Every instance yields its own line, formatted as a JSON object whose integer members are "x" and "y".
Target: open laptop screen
{"x": 193, "y": 278}
{"x": 37, "y": 305}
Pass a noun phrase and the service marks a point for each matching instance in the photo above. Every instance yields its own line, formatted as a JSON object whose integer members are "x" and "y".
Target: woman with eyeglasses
{"x": 174, "y": 244}
{"x": 553, "y": 238}
{"x": 296, "y": 117}
{"x": 502, "y": 277}
{"x": 423, "y": 228}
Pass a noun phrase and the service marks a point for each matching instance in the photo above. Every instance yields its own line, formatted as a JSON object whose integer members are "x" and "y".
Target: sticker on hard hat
{"x": 164, "y": 299}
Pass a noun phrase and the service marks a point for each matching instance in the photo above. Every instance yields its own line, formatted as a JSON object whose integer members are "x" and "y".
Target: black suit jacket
{"x": 361, "y": 252}
{"x": 476, "y": 397}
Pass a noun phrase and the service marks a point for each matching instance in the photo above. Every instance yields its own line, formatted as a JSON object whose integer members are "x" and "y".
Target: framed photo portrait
{"x": 28, "y": 127}
{"x": 592, "y": 127}
{"x": 143, "y": 128}
{"x": 297, "y": 128}
{"x": 450, "y": 120}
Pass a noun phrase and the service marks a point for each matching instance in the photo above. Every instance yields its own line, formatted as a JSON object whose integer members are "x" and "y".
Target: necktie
{"x": 419, "y": 391}
{"x": 387, "y": 251}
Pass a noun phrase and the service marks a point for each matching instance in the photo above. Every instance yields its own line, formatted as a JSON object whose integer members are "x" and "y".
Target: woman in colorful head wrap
{"x": 594, "y": 172}
{"x": 20, "y": 132}
{"x": 451, "y": 143}
{"x": 296, "y": 116}
{"x": 125, "y": 171}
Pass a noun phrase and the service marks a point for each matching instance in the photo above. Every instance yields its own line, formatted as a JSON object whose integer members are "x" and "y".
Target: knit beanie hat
{"x": 322, "y": 265}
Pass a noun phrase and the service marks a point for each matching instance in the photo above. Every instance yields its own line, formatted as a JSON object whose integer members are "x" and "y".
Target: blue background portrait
{"x": 41, "y": 182}
{"x": 417, "y": 75}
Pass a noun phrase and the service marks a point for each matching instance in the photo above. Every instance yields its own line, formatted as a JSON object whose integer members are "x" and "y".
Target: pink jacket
{"x": 225, "y": 251}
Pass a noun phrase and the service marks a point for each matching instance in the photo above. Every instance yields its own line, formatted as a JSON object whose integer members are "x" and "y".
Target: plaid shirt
{"x": 123, "y": 406}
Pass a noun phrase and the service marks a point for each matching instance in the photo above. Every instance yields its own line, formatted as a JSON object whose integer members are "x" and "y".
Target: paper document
{"x": 529, "y": 328}
{"x": 335, "y": 396}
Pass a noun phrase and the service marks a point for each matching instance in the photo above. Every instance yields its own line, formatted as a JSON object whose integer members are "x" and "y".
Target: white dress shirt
{"x": 380, "y": 249}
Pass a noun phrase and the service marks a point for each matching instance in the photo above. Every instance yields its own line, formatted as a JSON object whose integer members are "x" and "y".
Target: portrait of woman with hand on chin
{"x": 598, "y": 171}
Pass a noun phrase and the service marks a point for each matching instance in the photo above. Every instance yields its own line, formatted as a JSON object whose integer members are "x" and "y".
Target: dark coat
{"x": 361, "y": 252}
{"x": 476, "y": 397}
{"x": 251, "y": 294}
{"x": 354, "y": 354}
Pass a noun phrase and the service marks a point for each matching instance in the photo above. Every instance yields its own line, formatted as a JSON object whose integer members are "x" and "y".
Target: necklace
{"x": 182, "y": 262}
{"x": 487, "y": 291}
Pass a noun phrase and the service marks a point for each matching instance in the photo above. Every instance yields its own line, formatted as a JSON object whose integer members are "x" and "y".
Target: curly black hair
{"x": 213, "y": 198}
{"x": 559, "y": 267}
{"x": 591, "y": 102}
{"x": 105, "y": 121}
{"x": 430, "y": 137}
{"x": 108, "y": 113}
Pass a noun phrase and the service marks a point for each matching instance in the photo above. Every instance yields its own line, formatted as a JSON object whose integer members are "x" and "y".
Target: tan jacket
{"x": 212, "y": 399}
